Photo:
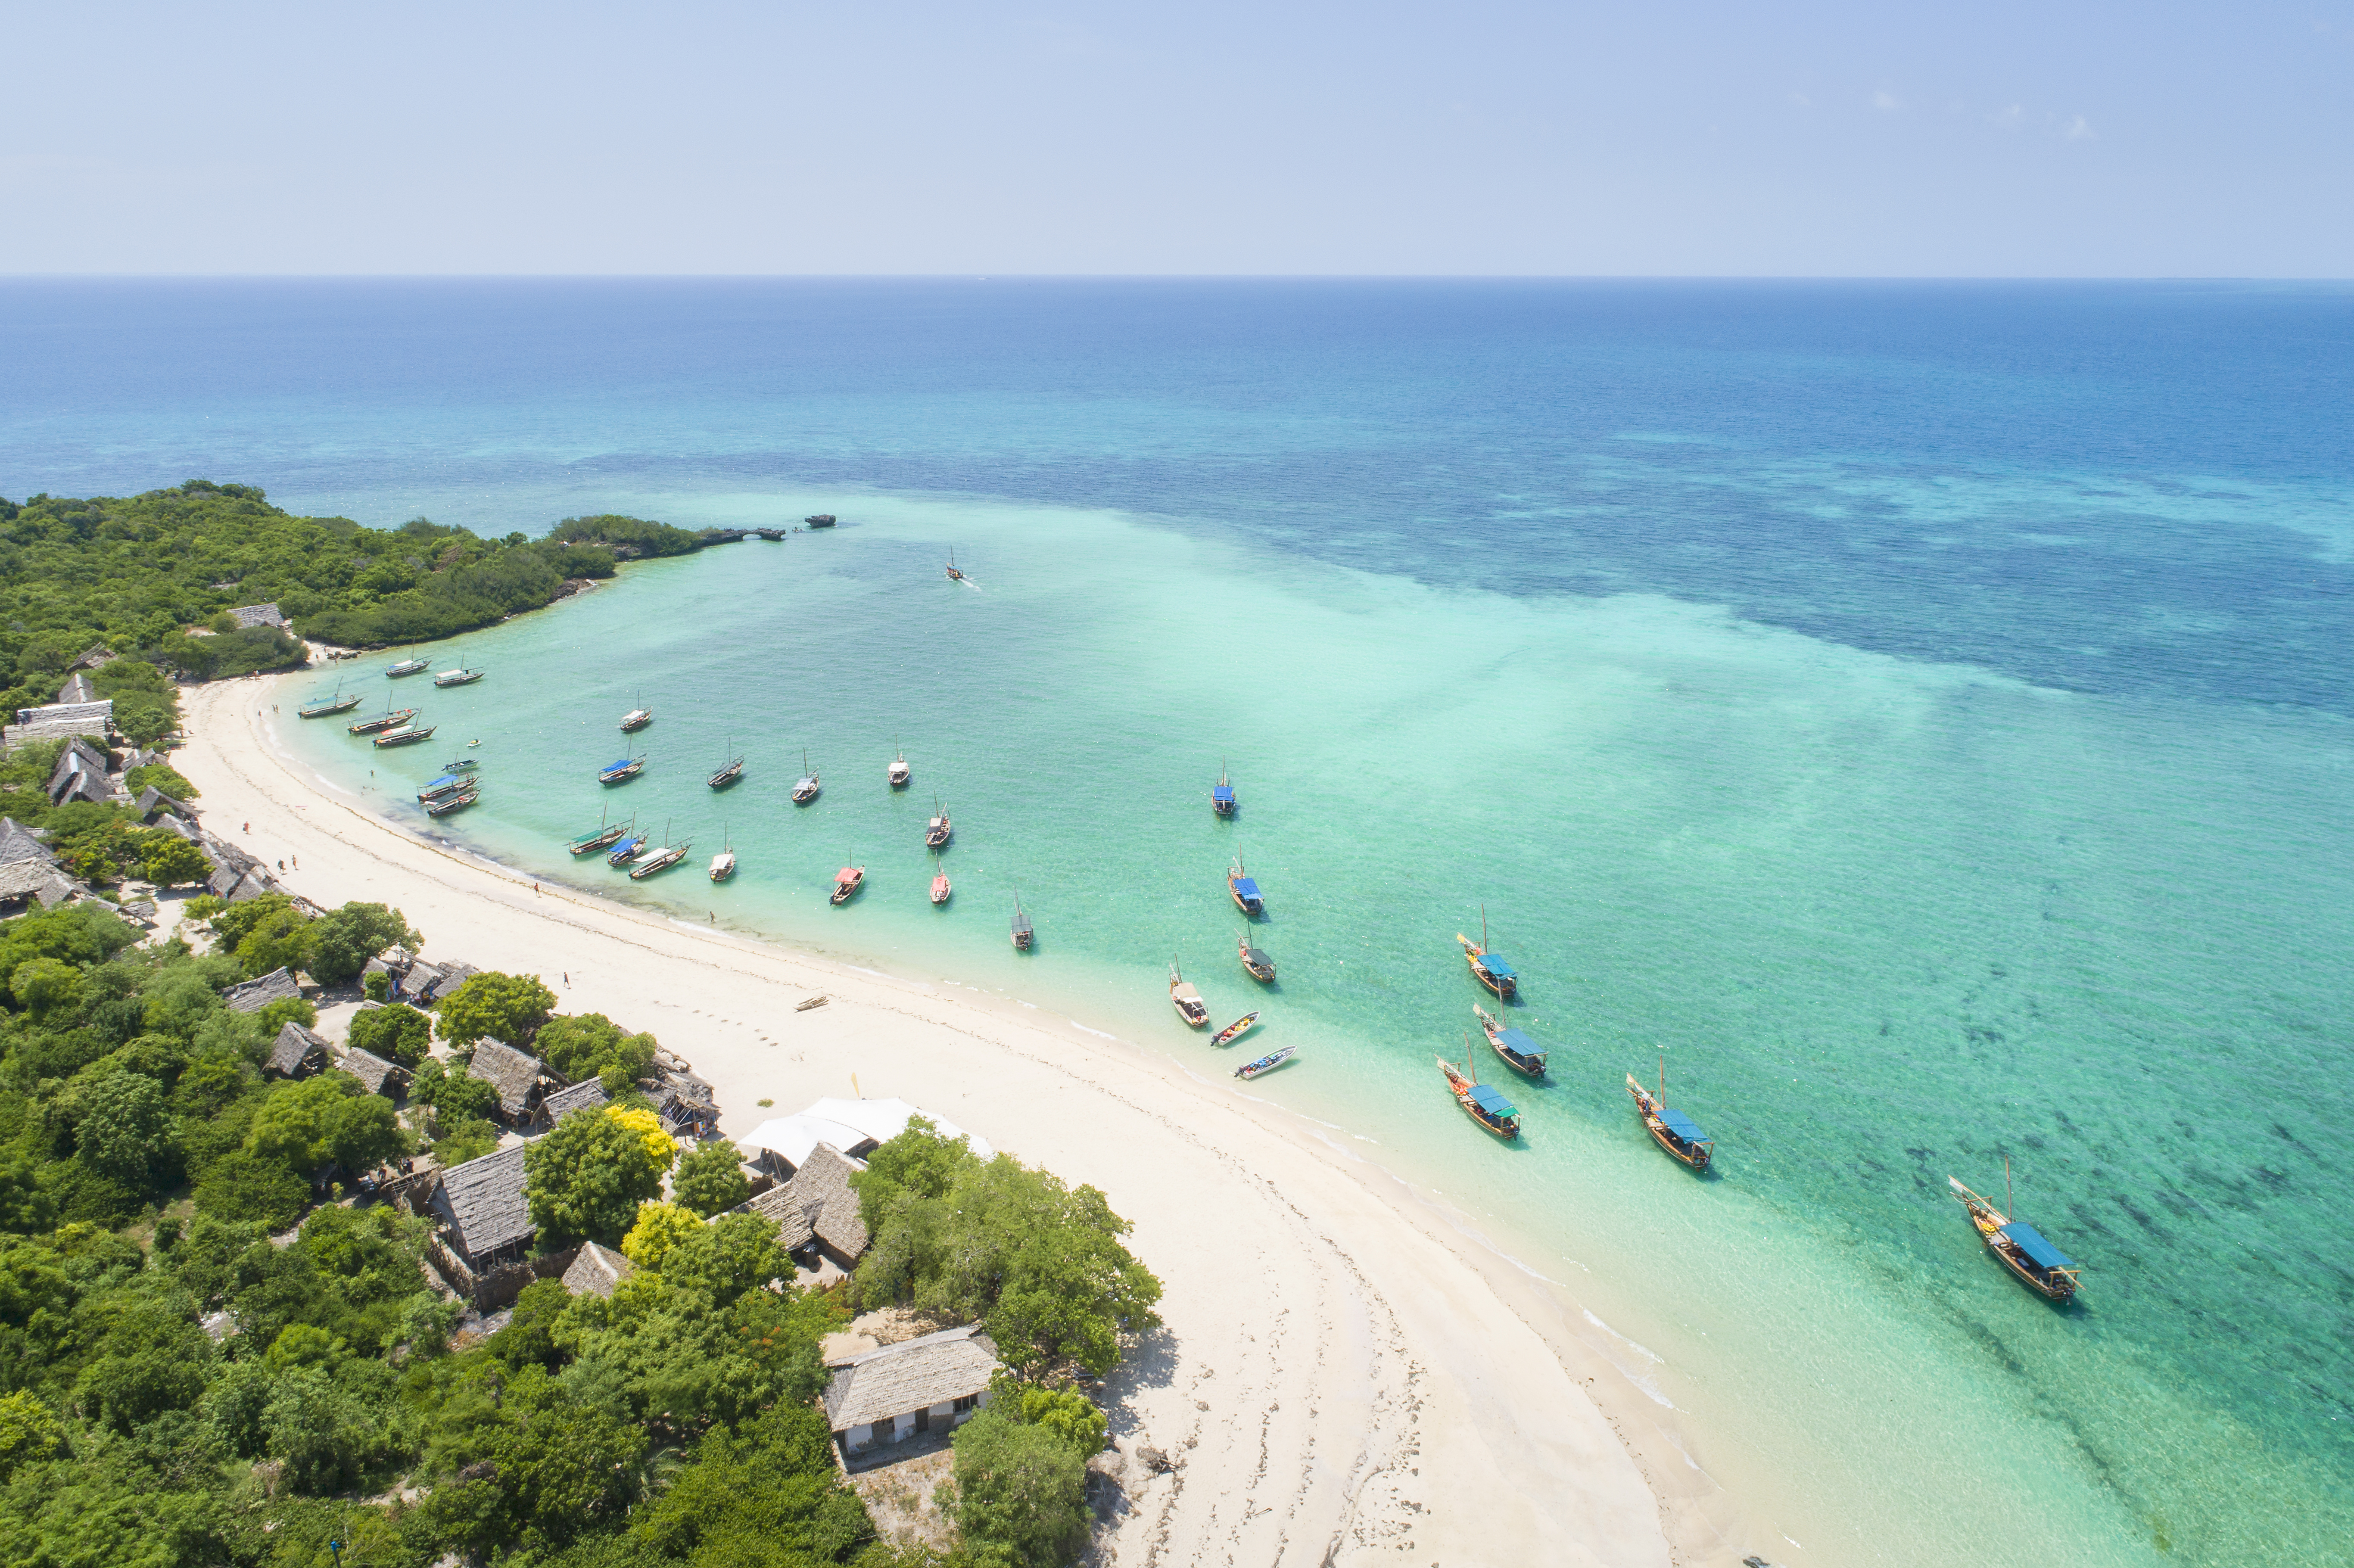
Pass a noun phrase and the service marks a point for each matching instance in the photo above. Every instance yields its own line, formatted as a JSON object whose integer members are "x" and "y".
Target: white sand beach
{"x": 1343, "y": 1375}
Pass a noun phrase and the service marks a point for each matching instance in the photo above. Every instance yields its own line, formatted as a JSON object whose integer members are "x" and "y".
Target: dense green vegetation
{"x": 99, "y": 840}
{"x": 177, "y": 1387}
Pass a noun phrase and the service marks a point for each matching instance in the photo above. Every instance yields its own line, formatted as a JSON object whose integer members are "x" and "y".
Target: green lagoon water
{"x": 1888, "y": 920}
{"x": 1926, "y": 713}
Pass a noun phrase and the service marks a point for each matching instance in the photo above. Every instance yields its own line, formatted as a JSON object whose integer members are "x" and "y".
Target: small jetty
{"x": 2033, "y": 1260}
{"x": 1244, "y": 890}
{"x": 1266, "y": 1064}
{"x": 1186, "y": 1000}
{"x": 1222, "y": 793}
{"x": 937, "y": 831}
{"x": 806, "y": 789}
{"x": 408, "y": 667}
{"x": 1256, "y": 963}
{"x": 1520, "y": 1054}
{"x": 819, "y": 520}
{"x": 847, "y": 881}
{"x": 1676, "y": 1133}
{"x": 443, "y": 805}
{"x": 731, "y": 767}
{"x": 338, "y": 704}
{"x": 621, "y": 770}
{"x": 388, "y": 719}
{"x": 1481, "y": 1102}
{"x": 1488, "y": 965}
{"x": 1235, "y": 1031}
{"x": 461, "y": 676}
{"x": 406, "y": 735}
{"x": 1021, "y": 933}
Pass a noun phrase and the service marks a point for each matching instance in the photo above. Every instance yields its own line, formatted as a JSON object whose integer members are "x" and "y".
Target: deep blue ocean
{"x": 1925, "y": 711}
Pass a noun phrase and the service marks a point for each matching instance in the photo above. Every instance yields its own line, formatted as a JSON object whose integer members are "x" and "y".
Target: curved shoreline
{"x": 1412, "y": 1386}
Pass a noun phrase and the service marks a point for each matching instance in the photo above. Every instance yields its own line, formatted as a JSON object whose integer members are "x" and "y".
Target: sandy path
{"x": 1341, "y": 1378}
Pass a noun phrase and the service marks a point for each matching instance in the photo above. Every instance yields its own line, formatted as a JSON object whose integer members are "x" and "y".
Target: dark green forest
{"x": 137, "y": 574}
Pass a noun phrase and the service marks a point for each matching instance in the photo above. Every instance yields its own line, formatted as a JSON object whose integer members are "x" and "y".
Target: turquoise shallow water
{"x": 1924, "y": 718}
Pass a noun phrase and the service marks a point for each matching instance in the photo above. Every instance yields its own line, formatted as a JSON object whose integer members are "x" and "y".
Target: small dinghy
{"x": 1186, "y": 1000}
{"x": 1255, "y": 962}
{"x": 621, "y": 770}
{"x": 847, "y": 881}
{"x": 1235, "y": 1031}
{"x": 1267, "y": 1063}
{"x": 408, "y": 667}
{"x": 461, "y": 676}
{"x": 805, "y": 1004}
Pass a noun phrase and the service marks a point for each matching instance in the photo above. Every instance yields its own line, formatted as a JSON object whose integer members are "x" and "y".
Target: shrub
{"x": 345, "y": 939}
{"x": 591, "y": 1046}
{"x": 658, "y": 1226}
{"x": 1020, "y": 1489}
{"x": 505, "y": 1008}
{"x": 710, "y": 1178}
{"x": 585, "y": 1179}
{"x": 171, "y": 861}
{"x": 275, "y": 1016}
{"x": 397, "y": 1033}
{"x": 242, "y": 1186}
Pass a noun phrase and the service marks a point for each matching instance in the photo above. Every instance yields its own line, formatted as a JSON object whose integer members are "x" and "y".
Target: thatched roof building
{"x": 816, "y": 1211}
{"x": 931, "y": 1383}
{"x": 514, "y": 1075}
{"x": 254, "y": 995}
{"x": 596, "y": 1271}
{"x": 376, "y": 1075}
{"x": 297, "y": 1051}
{"x": 585, "y": 1095}
{"x": 483, "y": 1211}
{"x": 19, "y": 843}
{"x": 252, "y": 615}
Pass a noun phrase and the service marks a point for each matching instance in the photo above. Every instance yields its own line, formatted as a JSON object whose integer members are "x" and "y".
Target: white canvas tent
{"x": 851, "y": 1126}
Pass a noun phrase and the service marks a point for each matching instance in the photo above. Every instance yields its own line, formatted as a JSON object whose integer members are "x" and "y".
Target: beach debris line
{"x": 1186, "y": 1000}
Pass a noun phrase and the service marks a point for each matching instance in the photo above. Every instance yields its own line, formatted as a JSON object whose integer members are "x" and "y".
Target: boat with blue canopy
{"x": 1245, "y": 890}
{"x": 1520, "y": 1053}
{"x": 1222, "y": 794}
{"x": 1671, "y": 1129}
{"x": 1488, "y": 967}
{"x": 2020, "y": 1247}
{"x": 621, "y": 770}
{"x": 627, "y": 849}
{"x": 1483, "y": 1103}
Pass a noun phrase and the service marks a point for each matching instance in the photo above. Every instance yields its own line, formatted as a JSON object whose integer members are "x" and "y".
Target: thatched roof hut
{"x": 514, "y": 1074}
{"x": 254, "y": 995}
{"x": 886, "y": 1395}
{"x": 376, "y": 1075}
{"x": 297, "y": 1051}
{"x": 596, "y": 1271}
{"x": 816, "y": 1210}
{"x": 585, "y": 1095}
{"x": 482, "y": 1210}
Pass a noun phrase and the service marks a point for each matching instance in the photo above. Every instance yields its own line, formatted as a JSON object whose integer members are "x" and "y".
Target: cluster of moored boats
{"x": 459, "y": 784}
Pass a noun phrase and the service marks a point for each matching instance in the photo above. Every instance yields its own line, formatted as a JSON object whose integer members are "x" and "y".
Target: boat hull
{"x": 1254, "y": 908}
{"x": 466, "y": 680}
{"x": 659, "y": 863}
{"x": 940, "y": 890}
{"x": 845, "y": 891}
{"x": 444, "y": 805}
{"x": 1237, "y": 1030}
{"x": 324, "y": 709}
{"x": 591, "y": 845}
{"x": 723, "y": 872}
{"x": 1504, "y": 987}
{"x": 405, "y": 737}
{"x": 618, "y": 774}
{"x": 388, "y": 721}
{"x": 1688, "y": 1155}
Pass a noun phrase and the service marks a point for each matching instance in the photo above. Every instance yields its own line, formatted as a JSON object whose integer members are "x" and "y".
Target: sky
{"x": 1667, "y": 137}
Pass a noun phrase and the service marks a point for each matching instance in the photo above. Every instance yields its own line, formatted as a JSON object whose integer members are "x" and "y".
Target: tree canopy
{"x": 586, "y": 1178}
{"x": 506, "y": 1008}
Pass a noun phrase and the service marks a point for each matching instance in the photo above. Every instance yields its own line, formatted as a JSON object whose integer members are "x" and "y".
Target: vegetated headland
{"x": 319, "y": 1228}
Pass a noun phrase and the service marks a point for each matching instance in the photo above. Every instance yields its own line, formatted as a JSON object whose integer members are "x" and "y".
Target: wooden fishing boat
{"x": 1480, "y": 1101}
{"x": 723, "y": 864}
{"x": 637, "y": 718}
{"x": 388, "y": 719}
{"x": 408, "y": 735}
{"x": 954, "y": 575}
{"x": 940, "y": 888}
{"x": 1244, "y": 890}
{"x": 408, "y": 667}
{"x": 628, "y": 849}
{"x": 338, "y": 704}
{"x": 1670, "y": 1129}
{"x": 2020, "y": 1247}
{"x": 729, "y": 771}
{"x": 1022, "y": 934}
{"x": 1186, "y": 1000}
{"x": 461, "y": 765}
{"x": 1520, "y": 1053}
{"x": 1490, "y": 968}
{"x": 899, "y": 772}
{"x": 447, "y": 784}
{"x": 1235, "y": 1031}
{"x": 806, "y": 790}
{"x": 621, "y": 770}
{"x": 441, "y": 806}
{"x": 1222, "y": 794}
{"x": 1259, "y": 966}
{"x": 662, "y": 859}
{"x": 820, "y": 520}
{"x": 937, "y": 831}
{"x": 847, "y": 881}
{"x": 605, "y": 834}
{"x": 1267, "y": 1063}
{"x": 461, "y": 676}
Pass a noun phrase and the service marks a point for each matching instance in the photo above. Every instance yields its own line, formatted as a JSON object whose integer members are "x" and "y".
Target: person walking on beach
{"x": 249, "y": 827}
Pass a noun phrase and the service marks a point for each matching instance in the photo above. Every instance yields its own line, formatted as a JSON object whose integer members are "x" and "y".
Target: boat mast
{"x": 2007, "y": 1210}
